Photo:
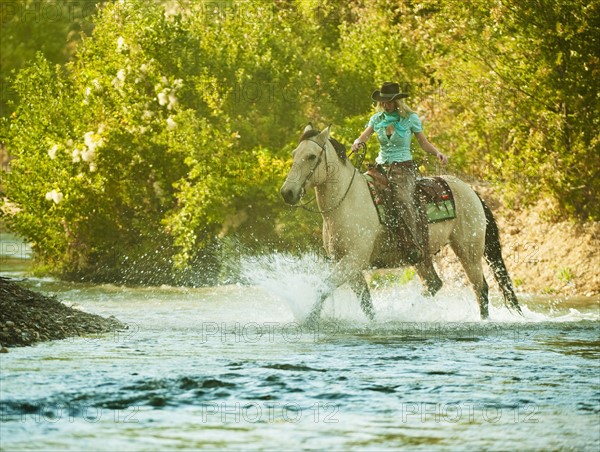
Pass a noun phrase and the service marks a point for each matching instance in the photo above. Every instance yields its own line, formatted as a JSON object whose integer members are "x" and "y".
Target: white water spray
{"x": 299, "y": 281}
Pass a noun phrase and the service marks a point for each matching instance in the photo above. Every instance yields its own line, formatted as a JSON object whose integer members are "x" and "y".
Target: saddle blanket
{"x": 433, "y": 193}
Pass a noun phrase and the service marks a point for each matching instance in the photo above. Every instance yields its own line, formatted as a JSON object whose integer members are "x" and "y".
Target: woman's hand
{"x": 443, "y": 158}
{"x": 362, "y": 139}
{"x": 356, "y": 145}
{"x": 430, "y": 148}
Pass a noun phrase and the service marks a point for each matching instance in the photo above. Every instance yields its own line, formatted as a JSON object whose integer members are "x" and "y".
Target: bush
{"x": 167, "y": 132}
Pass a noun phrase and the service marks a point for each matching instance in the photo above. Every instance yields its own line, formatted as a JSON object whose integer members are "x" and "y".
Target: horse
{"x": 355, "y": 239}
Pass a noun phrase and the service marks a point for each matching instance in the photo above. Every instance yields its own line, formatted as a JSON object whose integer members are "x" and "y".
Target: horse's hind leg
{"x": 361, "y": 289}
{"x": 471, "y": 259}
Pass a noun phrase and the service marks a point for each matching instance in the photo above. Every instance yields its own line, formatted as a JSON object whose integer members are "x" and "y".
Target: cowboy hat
{"x": 389, "y": 91}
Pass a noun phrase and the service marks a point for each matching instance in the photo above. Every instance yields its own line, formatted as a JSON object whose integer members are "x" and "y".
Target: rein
{"x": 331, "y": 209}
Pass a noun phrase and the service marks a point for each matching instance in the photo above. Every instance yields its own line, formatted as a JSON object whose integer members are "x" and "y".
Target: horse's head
{"x": 309, "y": 167}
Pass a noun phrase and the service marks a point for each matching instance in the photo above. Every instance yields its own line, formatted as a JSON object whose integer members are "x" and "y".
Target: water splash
{"x": 299, "y": 281}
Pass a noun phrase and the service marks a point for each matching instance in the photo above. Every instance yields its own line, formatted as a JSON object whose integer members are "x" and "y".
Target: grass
{"x": 388, "y": 279}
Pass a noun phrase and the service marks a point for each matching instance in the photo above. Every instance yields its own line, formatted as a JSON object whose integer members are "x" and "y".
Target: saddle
{"x": 433, "y": 195}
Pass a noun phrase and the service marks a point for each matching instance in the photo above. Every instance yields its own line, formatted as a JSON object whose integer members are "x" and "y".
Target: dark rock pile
{"x": 27, "y": 317}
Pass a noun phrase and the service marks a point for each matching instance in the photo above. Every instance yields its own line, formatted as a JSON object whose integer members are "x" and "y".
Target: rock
{"x": 3, "y": 350}
{"x": 40, "y": 318}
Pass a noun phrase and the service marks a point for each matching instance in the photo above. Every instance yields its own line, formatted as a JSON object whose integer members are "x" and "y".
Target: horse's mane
{"x": 340, "y": 149}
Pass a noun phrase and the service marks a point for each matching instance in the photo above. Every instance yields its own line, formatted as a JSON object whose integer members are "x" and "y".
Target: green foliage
{"x": 171, "y": 128}
{"x": 517, "y": 93}
{"x": 565, "y": 275}
{"x": 51, "y": 27}
{"x": 390, "y": 278}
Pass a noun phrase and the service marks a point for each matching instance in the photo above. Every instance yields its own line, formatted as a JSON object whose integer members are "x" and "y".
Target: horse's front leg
{"x": 313, "y": 318}
{"x": 346, "y": 268}
{"x": 361, "y": 289}
{"x": 429, "y": 277}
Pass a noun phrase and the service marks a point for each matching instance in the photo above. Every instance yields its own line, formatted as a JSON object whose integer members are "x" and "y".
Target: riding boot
{"x": 409, "y": 217}
{"x": 421, "y": 234}
{"x": 414, "y": 246}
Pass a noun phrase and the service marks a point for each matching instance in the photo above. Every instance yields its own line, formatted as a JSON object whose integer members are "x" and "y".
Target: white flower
{"x": 92, "y": 142}
{"x": 75, "y": 155}
{"x": 171, "y": 10}
{"x": 119, "y": 80}
{"x": 88, "y": 139}
{"x": 172, "y": 101}
{"x": 144, "y": 68}
{"x": 88, "y": 91}
{"x": 87, "y": 155}
{"x": 121, "y": 44}
{"x": 163, "y": 98}
{"x": 171, "y": 124}
{"x": 52, "y": 151}
{"x": 92, "y": 167}
{"x": 97, "y": 85}
{"x": 147, "y": 115}
{"x": 55, "y": 196}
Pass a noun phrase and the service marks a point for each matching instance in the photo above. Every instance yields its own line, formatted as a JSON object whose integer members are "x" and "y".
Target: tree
{"x": 53, "y": 28}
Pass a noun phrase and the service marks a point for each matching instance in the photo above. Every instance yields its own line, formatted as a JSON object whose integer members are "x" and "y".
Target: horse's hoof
{"x": 429, "y": 292}
{"x": 432, "y": 289}
{"x": 517, "y": 309}
{"x": 311, "y": 322}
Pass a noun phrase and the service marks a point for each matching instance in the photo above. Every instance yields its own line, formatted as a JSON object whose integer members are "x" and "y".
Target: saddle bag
{"x": 433, "y": 193}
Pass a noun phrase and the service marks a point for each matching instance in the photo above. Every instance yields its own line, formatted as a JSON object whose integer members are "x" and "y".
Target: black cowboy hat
{"x": 389, "y": 91}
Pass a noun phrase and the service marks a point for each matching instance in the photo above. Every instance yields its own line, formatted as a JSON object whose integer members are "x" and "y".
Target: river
{"x": 230, "y": 367}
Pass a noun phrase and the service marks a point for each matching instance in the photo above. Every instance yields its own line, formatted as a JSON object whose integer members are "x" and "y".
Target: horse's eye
{"x": 311, "y": 157}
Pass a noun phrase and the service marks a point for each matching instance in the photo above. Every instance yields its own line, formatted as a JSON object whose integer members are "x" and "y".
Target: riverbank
{"x": 545, "y": 256}
{"x": 27, "y": 317}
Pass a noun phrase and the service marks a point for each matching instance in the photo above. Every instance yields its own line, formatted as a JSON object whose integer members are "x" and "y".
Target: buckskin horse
{"x": 355, "y": 238}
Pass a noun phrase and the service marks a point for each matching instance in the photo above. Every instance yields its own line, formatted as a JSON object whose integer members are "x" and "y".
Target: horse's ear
{"x": 308, "y": 127}
{"x": 323, "y": 136}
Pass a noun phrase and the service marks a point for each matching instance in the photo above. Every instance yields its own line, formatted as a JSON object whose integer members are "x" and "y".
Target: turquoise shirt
{"x": 396, "y": 148}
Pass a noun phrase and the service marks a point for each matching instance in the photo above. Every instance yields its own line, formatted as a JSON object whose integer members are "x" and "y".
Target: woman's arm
{"x": 363, "y": 138}
{"x": 430, "y": 148}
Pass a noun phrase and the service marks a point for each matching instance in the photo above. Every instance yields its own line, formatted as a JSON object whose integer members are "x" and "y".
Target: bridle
{"x": 319, "y": 160}
{"x": 314, "y": 168}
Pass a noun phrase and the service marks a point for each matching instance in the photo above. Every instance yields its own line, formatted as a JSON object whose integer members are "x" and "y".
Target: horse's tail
{"x": 493, "y": 256}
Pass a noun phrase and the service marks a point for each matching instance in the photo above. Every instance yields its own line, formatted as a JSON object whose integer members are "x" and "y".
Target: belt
{"x": 389, "y": 168}
{"x": 405, "y": 164}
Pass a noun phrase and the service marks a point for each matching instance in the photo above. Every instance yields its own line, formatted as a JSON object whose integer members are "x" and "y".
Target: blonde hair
{"x": 402, "y": 108}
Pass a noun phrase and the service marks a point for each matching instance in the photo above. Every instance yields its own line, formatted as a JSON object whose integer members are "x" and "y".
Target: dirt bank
{"x": 27, "y": 317}
{"x": 543, "y": 256}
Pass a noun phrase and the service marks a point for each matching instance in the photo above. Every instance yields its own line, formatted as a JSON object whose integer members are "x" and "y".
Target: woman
{"x": 395, "y": 123}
